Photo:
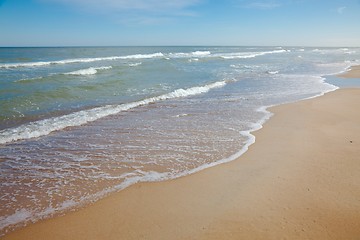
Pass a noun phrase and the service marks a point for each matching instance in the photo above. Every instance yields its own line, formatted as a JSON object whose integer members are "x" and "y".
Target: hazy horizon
{"x": 140, "y": 46}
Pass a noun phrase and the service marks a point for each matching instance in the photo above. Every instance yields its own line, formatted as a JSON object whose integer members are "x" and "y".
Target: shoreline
{"x": 205, "y": 210}
{"x": 352, "y": 72}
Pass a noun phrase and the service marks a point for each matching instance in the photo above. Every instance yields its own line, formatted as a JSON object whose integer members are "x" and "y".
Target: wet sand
{"x": 300, "y": 180}
{"x": 354, "y": 72}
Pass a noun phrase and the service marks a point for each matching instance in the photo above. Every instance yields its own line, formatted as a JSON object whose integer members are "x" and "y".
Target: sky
{"x": 180, "y": 22}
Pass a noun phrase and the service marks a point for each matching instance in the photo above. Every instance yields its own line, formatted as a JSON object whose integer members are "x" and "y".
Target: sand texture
{"x": 300, "y": 180}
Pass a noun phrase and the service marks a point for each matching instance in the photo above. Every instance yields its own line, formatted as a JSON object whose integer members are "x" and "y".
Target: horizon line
{"x": 99, "y": 46}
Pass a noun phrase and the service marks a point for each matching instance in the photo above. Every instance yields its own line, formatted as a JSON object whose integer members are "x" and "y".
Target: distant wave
{"x": 195, "y": 54}
{"x": 272, "y": 72}
{"x": 334, "y": 51}
{"x": 249, "y": 54}
{"x": 87, "y": 71}
{"x": 135, "y": 64}
{"x": 232, "y": 55}
{"x": 190, "y": 54}
{"x": 81, "y": 72}
{"x": 46, "y": 126}
{"x": 80, "y": 60}
{"x": 29, "y": 79}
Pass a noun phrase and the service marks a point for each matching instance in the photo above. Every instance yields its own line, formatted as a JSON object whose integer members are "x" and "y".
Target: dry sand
{"x": 300, "y": 180}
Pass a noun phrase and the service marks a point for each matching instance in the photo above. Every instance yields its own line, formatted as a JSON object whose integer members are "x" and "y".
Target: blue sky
{"x": 179, "y": 22}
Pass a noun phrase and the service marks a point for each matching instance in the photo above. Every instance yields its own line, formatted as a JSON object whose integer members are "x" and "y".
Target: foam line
{"x": 80, "y": 60}
{"x": 46, "y": 126}
{"x": 87, "y": 71}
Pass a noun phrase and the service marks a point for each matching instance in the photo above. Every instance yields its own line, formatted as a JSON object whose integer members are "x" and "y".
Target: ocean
{"x": 78, "y": 123}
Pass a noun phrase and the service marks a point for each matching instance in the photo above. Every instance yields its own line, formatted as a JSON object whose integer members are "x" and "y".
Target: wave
{"x": 193, "y": 60}
{"x": 29, "y": 79}
{"x": 46, "y": 126}
{"x": 190, "y": 54}
{"x": 135, "y": 64}
{"x": 272, "y": 72}
{"x": 81, "y": 60}
{"x": 87, "y": 71}
{"x": 195, "y": 54}
{"x": 81, "y": 72}
{"x": 335, "y": 51}
{"x": 201, "y": 53}
{"x": 249, "y": 54}
{"x": 24, "y": 216}
{"x": 233, "y": 55}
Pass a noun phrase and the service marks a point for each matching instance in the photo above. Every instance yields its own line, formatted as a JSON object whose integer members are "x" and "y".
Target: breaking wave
{"x": 195, "y": 54}
{"x": 249, "y": 54}
{"x": 80, "y": 60}
{"x": 87, "y": 71}
{"x": 46, "y": 126}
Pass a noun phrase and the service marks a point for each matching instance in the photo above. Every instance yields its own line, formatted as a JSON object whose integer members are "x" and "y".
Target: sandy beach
{"x": 300, "y": 180}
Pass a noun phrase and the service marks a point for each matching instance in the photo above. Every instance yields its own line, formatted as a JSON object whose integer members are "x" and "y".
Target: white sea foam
{"x": 21, "y": 215}
{"x": 81, "y": 60}
{"x": 196, "y": 54}
{"x": 201, "y": 53}
{"x": 88, "y": 71}
{"x": 24, "y": 215}
{"x": 272, "y": 72}
{"x": 135, "y": 64}
{"x": 248, "y": 54}
{"x": 182, "y": 115}
{"x": 334, "y": 51}
{"x": 46, "y": 126}
{"x": 142, "y": 56}
{"x": 193, "y": 60}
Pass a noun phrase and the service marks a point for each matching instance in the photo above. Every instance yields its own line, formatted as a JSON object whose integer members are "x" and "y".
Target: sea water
{"x": 79, "y": 123}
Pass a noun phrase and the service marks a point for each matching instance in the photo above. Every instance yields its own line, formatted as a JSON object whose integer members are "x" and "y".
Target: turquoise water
{"x": 79, "y": 123}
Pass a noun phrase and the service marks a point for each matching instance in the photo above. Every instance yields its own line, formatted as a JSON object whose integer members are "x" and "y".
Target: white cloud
{"x": 341, "y": 10}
